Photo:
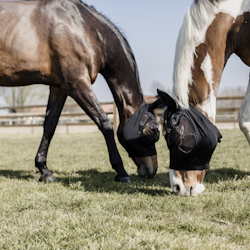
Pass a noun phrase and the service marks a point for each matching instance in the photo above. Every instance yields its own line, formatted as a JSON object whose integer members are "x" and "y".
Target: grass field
{"x": 86, "y": 209}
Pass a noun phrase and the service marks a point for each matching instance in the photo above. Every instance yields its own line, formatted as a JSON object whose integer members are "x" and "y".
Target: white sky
{"x": 152, "y": 28}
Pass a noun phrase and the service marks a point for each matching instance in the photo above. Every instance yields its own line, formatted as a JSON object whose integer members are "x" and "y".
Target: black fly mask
{"x": 190, "y": 136}
{"x": 140, "y": 133}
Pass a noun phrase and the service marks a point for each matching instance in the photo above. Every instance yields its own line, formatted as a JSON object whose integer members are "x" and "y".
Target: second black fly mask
{"x": 190, "y": 136}
{"x": 140, "y": 133}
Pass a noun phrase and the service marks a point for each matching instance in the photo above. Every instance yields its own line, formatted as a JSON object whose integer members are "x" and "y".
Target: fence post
{"x": 115, "y": 118}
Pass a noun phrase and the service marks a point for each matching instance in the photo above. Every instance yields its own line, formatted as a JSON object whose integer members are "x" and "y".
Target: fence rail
{"x": 28, "y": 118}
{"x": 44, "y": 106}
{"x": 31, "y": 118}
{"x": 222, "y": 98}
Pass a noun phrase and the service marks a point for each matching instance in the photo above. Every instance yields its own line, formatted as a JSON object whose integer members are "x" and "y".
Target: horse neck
{"x": 122, "y": 78}
{"x": 117, "y": 65}
{"x": 209, "y": 62}
{"x": 238, "y": 38}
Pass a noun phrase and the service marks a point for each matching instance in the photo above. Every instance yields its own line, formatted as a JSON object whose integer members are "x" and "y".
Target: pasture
{"x": 86, "y": 209}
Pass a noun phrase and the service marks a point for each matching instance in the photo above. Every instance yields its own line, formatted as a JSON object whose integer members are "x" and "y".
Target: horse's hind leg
{"x": 55, "y": 104}
{"x": 244, "y": 115}
{"x": 83, "y": 94}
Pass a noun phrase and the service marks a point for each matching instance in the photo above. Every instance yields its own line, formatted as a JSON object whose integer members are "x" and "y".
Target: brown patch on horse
{"x": 190, "y": 178}
{"x": 224, "y": 36}
{"x": 214, "y": 45}
{"x": 239, "y": 37}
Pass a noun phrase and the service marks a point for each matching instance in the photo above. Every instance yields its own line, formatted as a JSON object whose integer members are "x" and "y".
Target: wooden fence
{"x": 30, "y": 118}
{"x": 33, "y": 116}
{"x": 228, "y": 114}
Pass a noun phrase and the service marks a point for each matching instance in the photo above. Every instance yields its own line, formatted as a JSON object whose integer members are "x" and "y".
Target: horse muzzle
{"x": 187, "y": 183}
{"x": 147, "y": 166}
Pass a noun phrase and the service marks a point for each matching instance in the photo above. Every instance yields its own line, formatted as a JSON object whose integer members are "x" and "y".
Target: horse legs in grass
{"x": 244, "y": 115}
{"x": 82, "y": 92}
{"x": 54, "y": 108}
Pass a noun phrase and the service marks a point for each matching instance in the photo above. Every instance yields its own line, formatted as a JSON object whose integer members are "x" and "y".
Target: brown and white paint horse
{"x": 212, "y": 30}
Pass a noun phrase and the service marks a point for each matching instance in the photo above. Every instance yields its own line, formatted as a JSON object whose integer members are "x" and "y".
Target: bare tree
{"x": 228, "y": 92}
{"x": 19, "y": 96}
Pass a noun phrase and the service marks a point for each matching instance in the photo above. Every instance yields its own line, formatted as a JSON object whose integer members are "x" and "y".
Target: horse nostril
{"x": 177, "y": 189}
{"x": 191, "y": 189}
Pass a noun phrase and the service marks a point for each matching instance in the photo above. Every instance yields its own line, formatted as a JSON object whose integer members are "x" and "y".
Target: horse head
{"x": 138, "y": 137}
{"x": 191, "y": 139}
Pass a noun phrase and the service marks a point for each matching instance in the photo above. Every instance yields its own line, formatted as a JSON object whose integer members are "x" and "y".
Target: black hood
{"x": 190, "y": 136}
{"x": 131, "y": 137}
{"x": 191, "y": 139}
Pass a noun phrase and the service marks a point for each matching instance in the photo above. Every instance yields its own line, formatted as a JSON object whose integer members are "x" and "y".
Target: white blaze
{"x": 175, "y": 181}
{"x": 209, "y": 105}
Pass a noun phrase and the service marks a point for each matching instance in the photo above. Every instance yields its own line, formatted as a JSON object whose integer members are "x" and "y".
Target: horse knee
{"x": 107, "y": 128}
{"x": 244, "y": 125}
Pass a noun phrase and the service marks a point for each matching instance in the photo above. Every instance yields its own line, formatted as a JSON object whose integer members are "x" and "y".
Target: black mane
{"x": 211, "y": 1}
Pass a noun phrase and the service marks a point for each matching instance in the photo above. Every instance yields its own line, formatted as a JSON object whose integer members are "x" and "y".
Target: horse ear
{"x": 154, "y": 105}
{"x": 168, "y": 101}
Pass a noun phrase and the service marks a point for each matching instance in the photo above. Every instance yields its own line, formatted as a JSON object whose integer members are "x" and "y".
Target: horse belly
{"x": 23, "y": 51}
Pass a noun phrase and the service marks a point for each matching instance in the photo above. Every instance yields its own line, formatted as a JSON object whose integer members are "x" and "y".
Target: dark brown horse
{"x": 212, "y": 30}
{"x": 65, "y": 44}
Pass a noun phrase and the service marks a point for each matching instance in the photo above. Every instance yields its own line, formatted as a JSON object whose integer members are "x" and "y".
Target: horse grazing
{"x": 212, "y": 30}
{"x": 65, "y": 44}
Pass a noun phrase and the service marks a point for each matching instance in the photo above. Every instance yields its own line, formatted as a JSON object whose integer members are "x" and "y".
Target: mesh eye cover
{"x": 148, "y": 129}
{"x": 181, "y": 136}
{"x": 148, "y": 120}
{"x": 191, "y": 139}
{"x": 139, "y": 134}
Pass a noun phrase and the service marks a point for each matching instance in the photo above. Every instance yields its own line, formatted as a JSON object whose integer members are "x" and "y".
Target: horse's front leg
{"x": 55, "y": 105}
{"x": 82, "y": 93}
{"x": 244, "y": 115}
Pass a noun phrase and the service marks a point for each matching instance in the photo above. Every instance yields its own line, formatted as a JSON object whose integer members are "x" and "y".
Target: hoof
{"x": 122, "y": 179}
{"x": 47, "y": 178}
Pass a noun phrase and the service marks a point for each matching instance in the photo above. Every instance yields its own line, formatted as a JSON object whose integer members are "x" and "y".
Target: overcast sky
{"x": 152, "y": 28}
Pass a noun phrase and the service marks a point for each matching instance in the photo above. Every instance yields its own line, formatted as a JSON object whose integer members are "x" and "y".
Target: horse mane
{"x": 121, "y": 37}
{"x": 212, "y": 1}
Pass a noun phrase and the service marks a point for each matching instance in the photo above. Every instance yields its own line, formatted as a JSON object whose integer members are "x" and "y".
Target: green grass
{"x": 86, "y": 209}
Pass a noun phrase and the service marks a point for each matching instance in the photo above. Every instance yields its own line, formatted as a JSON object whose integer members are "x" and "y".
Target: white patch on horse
{"x": 174, "y": 181}
{"x": 193, "y": 32}
{"x": 234, "y": 8}
{"x": 198, "y": 189}
{"x": 209, "y": 105}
